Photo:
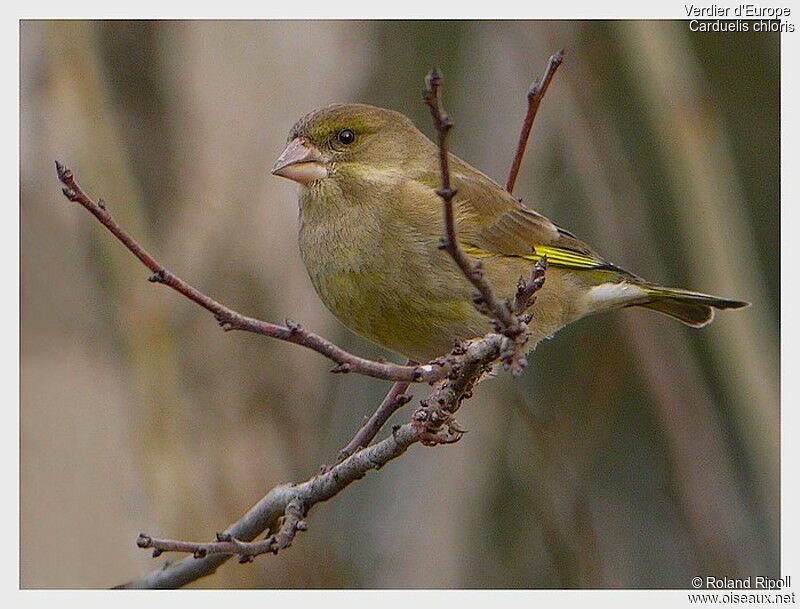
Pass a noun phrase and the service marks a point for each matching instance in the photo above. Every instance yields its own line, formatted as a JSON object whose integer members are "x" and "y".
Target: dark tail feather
{"x": 692, "y": 308}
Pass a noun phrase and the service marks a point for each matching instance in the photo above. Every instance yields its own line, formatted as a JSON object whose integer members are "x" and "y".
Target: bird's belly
{"x": 395, "y": 297}
{"x": 410, "y": 314}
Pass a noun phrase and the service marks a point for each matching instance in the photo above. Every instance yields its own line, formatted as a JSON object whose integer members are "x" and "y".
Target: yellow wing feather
{"x": 555, "y": 256}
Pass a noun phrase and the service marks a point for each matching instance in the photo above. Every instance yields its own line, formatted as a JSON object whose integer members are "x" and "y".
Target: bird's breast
{"x": 342, "y": 251}
{"x": 386, "y": 280}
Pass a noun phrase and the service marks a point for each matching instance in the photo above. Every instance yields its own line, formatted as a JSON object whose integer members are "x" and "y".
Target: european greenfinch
{"x": 371, "y": 223}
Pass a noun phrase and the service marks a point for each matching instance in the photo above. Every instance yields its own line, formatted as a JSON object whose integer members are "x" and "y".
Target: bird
{"x": 371, "y": 224}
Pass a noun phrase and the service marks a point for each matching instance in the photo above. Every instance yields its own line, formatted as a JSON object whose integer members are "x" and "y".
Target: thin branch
{"x": 225, "y": 543}
{"x": 525, "y": 297}
{"x": 496, "y": 308}
{"x": 432, "y": 423}
{"x": 535, "y": 96}
{"x": 506, "y": 318}
{"x": 395, "y": 399}
{"x": 232, "y": 320}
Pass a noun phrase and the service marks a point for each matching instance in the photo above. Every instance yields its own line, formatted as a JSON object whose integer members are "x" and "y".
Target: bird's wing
{"x": 492, "y": 222}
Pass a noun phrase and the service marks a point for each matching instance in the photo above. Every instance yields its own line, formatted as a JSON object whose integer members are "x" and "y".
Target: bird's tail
{"x": 692, "y": 308}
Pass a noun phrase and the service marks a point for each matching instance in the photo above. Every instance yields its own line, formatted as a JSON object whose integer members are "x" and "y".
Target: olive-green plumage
{"x": 370, "y": 223}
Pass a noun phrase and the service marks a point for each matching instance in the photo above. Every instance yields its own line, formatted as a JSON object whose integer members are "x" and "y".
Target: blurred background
{"x": 634, "y": 452}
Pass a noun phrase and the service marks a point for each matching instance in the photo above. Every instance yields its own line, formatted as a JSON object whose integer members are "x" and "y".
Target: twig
{"x": 505, "y": 317}
{"x": 527, "y": 290}
{"x": 232, "y": 320}
{"x": 266, "y": 513}
{"x": 395, "y": 398}
{"x": 225, "y": 543}
{"x": 432, "y": 423}
{"x": 487, "y": 300}
{"x": 535, "y": 95}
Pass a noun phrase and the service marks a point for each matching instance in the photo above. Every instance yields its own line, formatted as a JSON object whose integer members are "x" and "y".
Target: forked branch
{"x": 432, "y": 423}
{"x": 394, "y": 399}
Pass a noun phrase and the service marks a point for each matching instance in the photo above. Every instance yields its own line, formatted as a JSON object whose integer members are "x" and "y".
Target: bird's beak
{"x": 300, "y": 162}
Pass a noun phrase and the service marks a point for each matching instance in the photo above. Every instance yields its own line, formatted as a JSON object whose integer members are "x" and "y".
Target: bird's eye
{"x": 346, "y": 137}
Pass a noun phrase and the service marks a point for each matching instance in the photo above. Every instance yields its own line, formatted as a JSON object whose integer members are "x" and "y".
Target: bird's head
{"x": 350, "y": 142}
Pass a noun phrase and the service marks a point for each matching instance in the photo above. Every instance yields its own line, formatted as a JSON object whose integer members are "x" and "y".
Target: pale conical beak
{"x": 300, "y": 162}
